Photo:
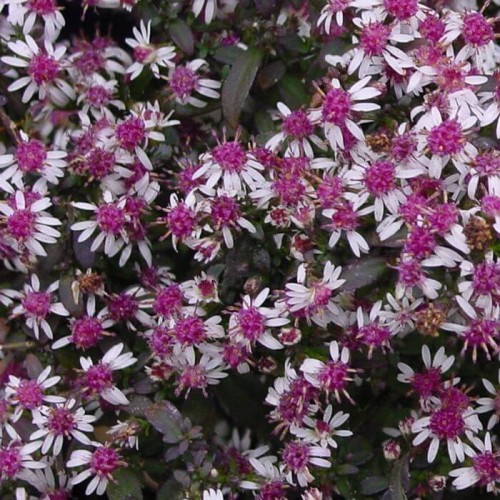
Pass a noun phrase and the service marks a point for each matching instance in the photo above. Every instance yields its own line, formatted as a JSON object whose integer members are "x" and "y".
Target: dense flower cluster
{"x": 257, "y": 242}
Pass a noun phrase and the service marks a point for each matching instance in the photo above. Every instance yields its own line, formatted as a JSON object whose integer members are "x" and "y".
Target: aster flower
{"x": 30, "y": 395}
{"x": 97, "y": 98}
{"x": 315, "y": 301}
{"x": 16, "y": 459}
{"x": 230, "y": 163}
{"x": 47, "y": 483}
{"x": 36, "y": 306}
{"x": 203, "y": 289}
{"x": 297, "y": 130}
{"x": 100, "y": 463}
{"x": 110, "y": 220}
{"x": 147, "y": 54}
{"x": 43, "y": 67}
{"x": 59, "y": 422}
{"x": 32, "y": 157}
{"x": 28, "y": 224}
{"x": 26, "y": 13}
{"x": 332, "y": 376}
{"x": 252, "y": 322}
{"x": 375, "y": 49}
{"x": 185, "y": 81}
{"x": 210, "y": 8}
{"x": 97, "y": 380}
{"x": 87, "y": 330}
{"x": 484, "y": 469}
{"x": 446, "y": 425}
{"x": 323, "y": 431}
{"x": 490, "y": 403}
{"x": 298, "y": 456}
{"x": 429, "y": 382}
{"x": 338, "y": 109}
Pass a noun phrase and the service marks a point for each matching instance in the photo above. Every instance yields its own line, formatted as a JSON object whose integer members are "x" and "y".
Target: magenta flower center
{"x": 183, "y": 81}
{"x": 86, "y": 332}
{"x": 380, "y": 178}
{"x": 431, "y": 28}
{"x": 122, "y": 307}
{"x": 21, "y": 224}
{"x": 486, "y": 279}
{"x": 252, "y": 323}
{"x": 225, "y": 211}
{"x": 476, "y": 30}
{"x": 446, "y": 138}
{"x": 37, "y": 304}
{"x": 131, "y": 133}
{"x": 401, "y": 9}
{"x": 29, "y": 394}
{"x": 374, "y": 38}
{"x": 487, "y": 466}
{"x": 43, "y": 69}
{"x": 298, "y": 125}
{"x": 374, "y": 335}
{"x": 181, "y": 221}
{"x": 141, "y": 54}
{"x": 10, "y": 462}
{"x": 336, "y": 107}
{"x": 31, "y": 156}
{"x": 100, "y": 162}
{"x": 98, "y": 96}
{"x": 230, "y": 156}
{"x": 427, "y": 383}
{"x": 98, "y": 377}
{"x": 104, "y": 461}
{"x": 190, "y": 330}
{"x": 168, "y": 301}
{"x": 42, "y": 7}
{"x": 61, "y": 422}
{"x": 447, "y": 424}
{"x": 111, "y": 219}
{"x": 296, "y": 456}
{"x": 345, "y": 218}
{"x": 333, "y": 376}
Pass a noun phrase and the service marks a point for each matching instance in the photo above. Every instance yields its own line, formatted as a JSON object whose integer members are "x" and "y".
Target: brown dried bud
{"x": 478, "y": 233}
{"x": 267, "y": 365}
{"x": 253, "y": 285}
{"x": 429, "y": 320}
{"x": 379, "y": 142}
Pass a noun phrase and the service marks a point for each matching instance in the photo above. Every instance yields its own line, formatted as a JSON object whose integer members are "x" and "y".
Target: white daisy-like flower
{"x": 230, "y": 163}
{"x": 18, "y": 460}
{"x": 315, "y": 300}
{"x": 375, "y": 47}
{"x": 490, "y": 403}
{"x": 333, "y": 375}
{"x": 59, "y": 422}
{"x": 203, "y": 289}
{"x": 297, "y": 130}
{"x": 110, "y": 220}
{"x": 298, "y": 456}
{"x": 147, "y": 54}
{"x": 36, "y": 305}
{"x": 30, "y": 395}
{"x": 209, "y": 6}
{"x": 101, "y": 463}
{"x": 339, "y": 108}
{"x": 399, "y": 314}
{"x": 484, "y": 470}
{"x": 185, "y": 81}
{"x": 212, "y": 494}
{"x": 32, "y": 157}
{"x": 25, "y": 13}
{"x": 28, "y": 224}
{"x": 97, "y": 380}
{"x": 43, "y": 67}
{"x": 47, "y": 483}
{"x": 195, "y": 374}
{"x": 97, "y": 98}
{"x": 447, "y": 425}
{"x": 323, "y": 431}
{"x": 252, "y": 322}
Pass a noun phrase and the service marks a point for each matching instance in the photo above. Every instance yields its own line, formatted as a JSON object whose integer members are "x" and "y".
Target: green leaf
{"x": 182, "y": 36}
{"x": 271, "y": 74}
{"x": 400, "y": 478}
{"x": 374, "y": 484}
{"x": 293, "y": 91}
{"x": 167, "y": 419}
{"x": 362, "y": 272}
{"x": 238, "y": 83}
{"x": 228, "y": 54}
{"x": 126, "y": 486}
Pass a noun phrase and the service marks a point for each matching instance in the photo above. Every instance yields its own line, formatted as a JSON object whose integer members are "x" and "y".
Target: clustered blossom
{"x": 274, "y": 216}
